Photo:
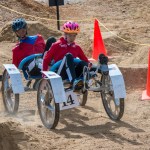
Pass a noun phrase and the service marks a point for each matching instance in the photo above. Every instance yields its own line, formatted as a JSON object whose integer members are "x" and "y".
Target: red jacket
{"x": 30, "y": 45}
{"x": 59, "y": 49}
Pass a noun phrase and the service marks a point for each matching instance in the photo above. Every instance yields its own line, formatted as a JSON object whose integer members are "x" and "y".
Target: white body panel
{"x": 57, "y": 86}
{"x": 15, "y": 77}
{"x": 117, "y": 81}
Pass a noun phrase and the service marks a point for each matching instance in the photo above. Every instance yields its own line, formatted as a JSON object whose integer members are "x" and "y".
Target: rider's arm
{"x": 82, "y": 56}
{"x": 39, "y": 45}
{"x": 48, "y": 58}
{"x": 14, "y": 58}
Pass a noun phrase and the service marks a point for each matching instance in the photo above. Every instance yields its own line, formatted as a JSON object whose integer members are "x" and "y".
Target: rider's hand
{"x": 90, "y": 65}
{"x": 43, "y": 75}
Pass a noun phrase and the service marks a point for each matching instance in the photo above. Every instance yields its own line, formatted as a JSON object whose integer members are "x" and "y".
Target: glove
{"x": 90, "y": 65}
{"x": 43, "y": 75}
{"x": 103, "y": 59}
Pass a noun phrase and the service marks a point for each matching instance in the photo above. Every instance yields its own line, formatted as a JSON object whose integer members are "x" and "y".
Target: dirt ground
{"x": 85, "y": 128}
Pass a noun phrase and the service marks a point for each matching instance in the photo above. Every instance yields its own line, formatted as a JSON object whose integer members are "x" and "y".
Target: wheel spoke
{"x": 44, "y": 110}
{"x": 11, "y": 100}
{"x": 42, "y": 98}
{"x": 117, "y": 108}
{"x": 50, "y": 108}
{"x": 46, "y": 104}
{"x": 112, "y": 106}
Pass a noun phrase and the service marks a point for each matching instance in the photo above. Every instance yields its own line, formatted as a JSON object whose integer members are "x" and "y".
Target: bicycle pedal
{"x": 67, "y": 84}
{"x": 26, "y": 88}
{"x": 93, "y": 74}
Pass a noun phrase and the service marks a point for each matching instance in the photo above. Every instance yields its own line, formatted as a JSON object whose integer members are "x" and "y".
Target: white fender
{"x": 72, "y": 100}
{"x": 117, "y": 81}
{"x": 15, "y": 78}
{"x": 57, "y": 86}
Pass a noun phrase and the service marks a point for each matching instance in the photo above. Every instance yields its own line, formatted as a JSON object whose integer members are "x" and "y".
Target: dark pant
{"x": 71, "y": 68}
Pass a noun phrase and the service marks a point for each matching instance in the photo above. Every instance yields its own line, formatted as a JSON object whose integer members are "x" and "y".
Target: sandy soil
{"x": 86, "y": 128}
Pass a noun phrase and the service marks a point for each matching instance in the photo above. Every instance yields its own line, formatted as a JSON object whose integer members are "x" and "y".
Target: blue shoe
{"x": 77, "y": 85}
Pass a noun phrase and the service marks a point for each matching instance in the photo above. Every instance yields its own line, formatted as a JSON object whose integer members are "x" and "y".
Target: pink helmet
{"x": 71, "y": 27}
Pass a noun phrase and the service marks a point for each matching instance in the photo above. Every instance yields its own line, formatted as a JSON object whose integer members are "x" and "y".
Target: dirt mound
{"x": 136, "y": 32}
{"x": 24, "y": 6}
{"x": 139, "y": 57}
{"x": 34, "y": 28}
{"x": 130, "y": 46}
{"x": 137, "y": 53}
{"x": 135, "y": 76}
{"x": 11, "y": 136}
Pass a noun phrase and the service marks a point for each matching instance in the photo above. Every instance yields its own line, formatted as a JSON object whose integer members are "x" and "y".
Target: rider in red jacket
{"x": 67, "y": 56}
{"x": 27, "y": 45}
{"x": 59, "y": 49}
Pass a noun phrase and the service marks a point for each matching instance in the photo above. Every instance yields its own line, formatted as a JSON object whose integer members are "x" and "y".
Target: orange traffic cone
{"x": 146, "y": 93}
{"x": 98, "y": 44}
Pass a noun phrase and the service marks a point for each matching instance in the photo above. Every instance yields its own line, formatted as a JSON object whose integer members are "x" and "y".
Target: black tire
{"x": 10, "y": 100}
{"x": 107, "y": 96}
{"x": 83, "y": 98}
{"x": 49, "y": 110}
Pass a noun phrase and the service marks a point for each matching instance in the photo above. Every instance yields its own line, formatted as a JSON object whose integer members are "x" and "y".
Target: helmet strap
{"x": 19, "y": 37}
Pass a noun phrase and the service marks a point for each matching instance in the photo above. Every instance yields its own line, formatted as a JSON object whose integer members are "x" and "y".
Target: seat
{"x": 24, "y": 63}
